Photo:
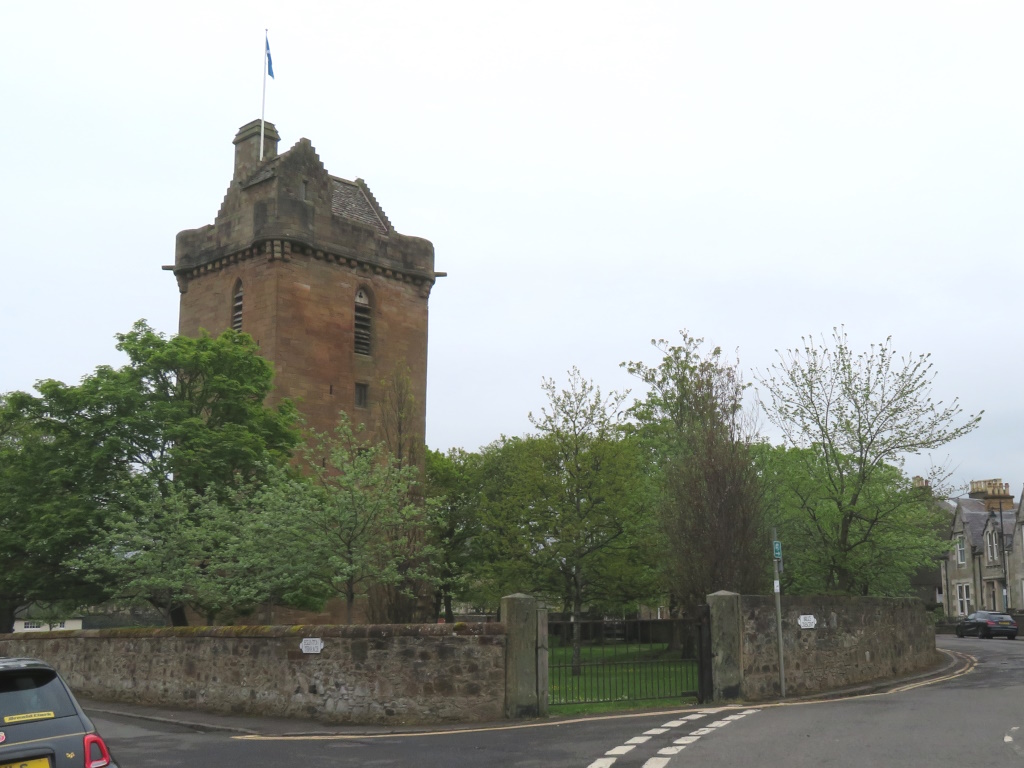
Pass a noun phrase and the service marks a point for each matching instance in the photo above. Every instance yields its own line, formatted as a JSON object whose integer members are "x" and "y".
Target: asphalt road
{"x": 971, "y": 717}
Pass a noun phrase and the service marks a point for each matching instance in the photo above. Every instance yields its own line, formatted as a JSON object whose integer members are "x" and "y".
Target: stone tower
{"x": 309, "y": 265}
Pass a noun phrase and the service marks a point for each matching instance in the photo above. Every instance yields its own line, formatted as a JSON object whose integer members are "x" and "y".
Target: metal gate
{"x": 630, "y": 660}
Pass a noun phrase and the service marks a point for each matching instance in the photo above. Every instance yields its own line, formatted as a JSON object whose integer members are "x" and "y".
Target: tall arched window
{"x": 236, "y": 307}
{"x": 363, "y": 325}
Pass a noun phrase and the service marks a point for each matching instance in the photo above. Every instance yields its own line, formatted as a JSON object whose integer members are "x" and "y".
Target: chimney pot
{"x": 247, "y": 148}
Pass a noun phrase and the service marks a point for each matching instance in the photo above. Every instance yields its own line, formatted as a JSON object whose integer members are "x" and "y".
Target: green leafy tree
{"x": 897, "y": 529}
{"x": 191, "y": 409}
{"x": 853, "y": 418}
{"x": 712, "y": 504}
{"x": 567, "y": 506}
{"x": 353, "y": 518}
{"x": 163, "y": 550}
{"x": 219, "y": 552}
{"x": 453, "y": 486}
{"x": 46, "y": 514}
{"x": 185, "y": 411}
{"x": 399, "y": 428}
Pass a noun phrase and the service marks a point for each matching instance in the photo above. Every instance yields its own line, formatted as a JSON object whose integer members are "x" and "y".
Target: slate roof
{"x": 352, "y": 201}
{"x": 975, "y": 516}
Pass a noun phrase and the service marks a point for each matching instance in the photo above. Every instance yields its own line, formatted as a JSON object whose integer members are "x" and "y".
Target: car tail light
{"x": 96, "y": 753}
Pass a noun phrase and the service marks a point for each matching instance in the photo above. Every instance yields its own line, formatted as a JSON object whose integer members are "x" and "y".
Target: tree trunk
{"x": 675, "y": 638}
{"x": 7, "y": 608}
{"x": 449, "y": 614}
{"x": 577, "y": 637}
{"x": 438, "y": 602}
{"x": 178, "y": 616}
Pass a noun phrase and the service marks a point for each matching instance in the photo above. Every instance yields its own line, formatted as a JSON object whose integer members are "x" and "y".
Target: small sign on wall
{"x": 311, "y": 645}
{"x": 807, "y": 622}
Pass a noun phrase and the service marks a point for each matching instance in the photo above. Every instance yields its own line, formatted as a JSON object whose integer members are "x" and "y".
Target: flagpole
{"x": 263, "y": 106}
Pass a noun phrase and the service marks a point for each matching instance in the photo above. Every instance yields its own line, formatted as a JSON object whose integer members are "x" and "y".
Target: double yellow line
{"x": 969, "y": 663}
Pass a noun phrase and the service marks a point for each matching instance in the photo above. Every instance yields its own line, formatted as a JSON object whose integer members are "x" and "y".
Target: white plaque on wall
{"x": 807, "y": 622}
{"x": 311, "y": 645}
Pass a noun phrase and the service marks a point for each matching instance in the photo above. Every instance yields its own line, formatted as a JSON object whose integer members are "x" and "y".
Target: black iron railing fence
{"x": 625, "y": 660}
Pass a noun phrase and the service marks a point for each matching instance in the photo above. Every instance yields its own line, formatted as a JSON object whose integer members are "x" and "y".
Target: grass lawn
{"x": 620, "y": 676}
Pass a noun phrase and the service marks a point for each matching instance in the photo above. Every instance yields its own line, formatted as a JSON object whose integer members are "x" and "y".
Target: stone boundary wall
{"x": 395, "y": 674}
{"x": 855, "y": 640}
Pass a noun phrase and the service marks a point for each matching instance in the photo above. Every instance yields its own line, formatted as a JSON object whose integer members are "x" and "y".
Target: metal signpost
{"x": 777, "y": 554}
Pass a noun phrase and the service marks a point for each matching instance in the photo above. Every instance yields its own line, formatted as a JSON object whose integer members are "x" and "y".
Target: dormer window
{"x": 236, "y": 307}
{"x": 363, "y": 324}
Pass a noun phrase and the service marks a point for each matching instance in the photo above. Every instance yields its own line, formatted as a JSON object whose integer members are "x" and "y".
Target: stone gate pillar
{"x": 726, "y": 645}
{"x": 525, "y": 654}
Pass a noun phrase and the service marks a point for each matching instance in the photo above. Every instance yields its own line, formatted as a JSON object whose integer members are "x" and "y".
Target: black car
{"x": 984, "y": 624}
{"x": 41, "y": 724}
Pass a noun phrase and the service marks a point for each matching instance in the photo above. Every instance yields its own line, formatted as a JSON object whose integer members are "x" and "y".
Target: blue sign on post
{"x": 778, "y": 549}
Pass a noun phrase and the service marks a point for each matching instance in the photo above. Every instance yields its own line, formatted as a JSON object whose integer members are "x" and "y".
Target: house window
{"x": 362, "y": 395}
{"x": 963, "y": 599}
{"x": 961, "y": 551}
{"x": 991, "y": 544}
{"x": 236, "y": 307}
{"x": 363, "y": 323}
{"x": 33, "y": 625}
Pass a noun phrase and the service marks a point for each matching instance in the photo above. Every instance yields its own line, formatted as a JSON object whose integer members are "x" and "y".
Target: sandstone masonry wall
{"x": 853, "y": 641}
{"x": 364, "y": 674}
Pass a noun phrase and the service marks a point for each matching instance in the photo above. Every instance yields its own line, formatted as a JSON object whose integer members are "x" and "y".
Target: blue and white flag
{"x": 270, "y": 61}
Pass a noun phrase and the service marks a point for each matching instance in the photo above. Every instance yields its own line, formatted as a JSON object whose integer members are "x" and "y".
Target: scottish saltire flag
{"x": 270, "y": 61}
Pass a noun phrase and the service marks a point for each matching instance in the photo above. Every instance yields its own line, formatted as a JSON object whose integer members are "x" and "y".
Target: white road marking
{"x": 678, "y": 744}
{"x": 1007, "y": 739}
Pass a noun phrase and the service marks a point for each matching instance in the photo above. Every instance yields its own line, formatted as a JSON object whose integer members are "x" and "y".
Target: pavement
{"x": 256, "y": 725}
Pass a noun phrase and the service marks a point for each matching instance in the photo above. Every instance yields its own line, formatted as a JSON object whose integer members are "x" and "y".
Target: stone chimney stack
{"x": 247, "y": 148}
{"x": 995, "y": 493}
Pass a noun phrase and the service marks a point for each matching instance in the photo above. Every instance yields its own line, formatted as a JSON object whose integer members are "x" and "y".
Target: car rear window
{"x": 32, "y": 694}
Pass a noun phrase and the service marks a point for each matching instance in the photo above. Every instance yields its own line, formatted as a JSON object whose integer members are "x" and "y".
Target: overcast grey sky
{"x": 592, "y": 175}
